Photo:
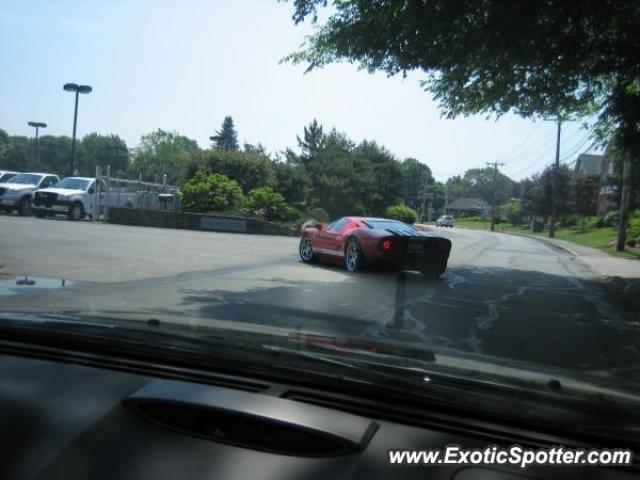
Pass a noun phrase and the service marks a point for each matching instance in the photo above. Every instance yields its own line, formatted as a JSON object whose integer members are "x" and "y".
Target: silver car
{"x": 444, "y": 221}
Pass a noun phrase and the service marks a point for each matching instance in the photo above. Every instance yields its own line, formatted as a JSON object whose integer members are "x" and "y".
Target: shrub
{"x": 633, "y": 232}
{"x": 319, "y": 214}
{"x": 512, "y": 212}
{"x": 611, "y": 219}
{"x": 595, "y": 222}
{"x": 211, "y": 193}
{"x": 570, "y": 220}
{"x": 403, "y": 213}
{"x": 264, "y": 203}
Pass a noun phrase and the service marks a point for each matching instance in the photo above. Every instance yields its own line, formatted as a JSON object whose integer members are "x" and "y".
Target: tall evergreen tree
{"x": 226, "y": 138}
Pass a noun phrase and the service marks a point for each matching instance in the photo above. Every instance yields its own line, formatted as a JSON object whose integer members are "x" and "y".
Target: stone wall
{"x": 196, "y": 221}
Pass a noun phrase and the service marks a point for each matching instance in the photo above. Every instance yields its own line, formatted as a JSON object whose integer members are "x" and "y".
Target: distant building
{"x": 604, "y": 169}
{"x": 469, "y": 206}
{"x": 589, "y": 164}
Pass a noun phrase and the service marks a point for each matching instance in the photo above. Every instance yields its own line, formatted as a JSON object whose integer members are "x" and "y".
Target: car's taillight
{"x": 387, "y": 244}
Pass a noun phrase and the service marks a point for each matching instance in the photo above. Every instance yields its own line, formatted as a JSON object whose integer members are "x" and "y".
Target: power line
{"x": 582, "y": 143}
{"x": 534, "y": 150}
{"x": 505, "y": 157}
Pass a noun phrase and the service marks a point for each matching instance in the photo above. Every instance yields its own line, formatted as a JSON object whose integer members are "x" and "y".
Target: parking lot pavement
{"x": 505, "y": 296}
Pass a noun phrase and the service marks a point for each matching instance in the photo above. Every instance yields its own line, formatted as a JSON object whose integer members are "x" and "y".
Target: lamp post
{"x": 37, "y": 126}
{"x": 78, "y": 89}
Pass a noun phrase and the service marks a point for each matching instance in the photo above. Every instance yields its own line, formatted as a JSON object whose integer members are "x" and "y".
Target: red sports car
{"x": 356, "y": 241}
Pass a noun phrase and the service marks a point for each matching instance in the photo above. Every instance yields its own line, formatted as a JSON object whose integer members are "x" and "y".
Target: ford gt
{"x": 357, "y": 241}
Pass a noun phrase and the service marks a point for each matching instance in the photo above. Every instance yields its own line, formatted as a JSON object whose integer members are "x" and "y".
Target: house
{"x": 588, "y": 164}
{"x": 469, "y": 206}
{"x": 604, "y": 168}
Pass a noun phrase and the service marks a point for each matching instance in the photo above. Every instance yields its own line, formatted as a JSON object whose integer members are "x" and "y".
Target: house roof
{"x": 468, "y": 204}
{"x": 589, "y": 164}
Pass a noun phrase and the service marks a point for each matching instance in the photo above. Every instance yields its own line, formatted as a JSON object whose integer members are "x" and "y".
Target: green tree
{"x": 548, "y": 57}
{"x": 162, "y": 152}
{"x": 537, "y": 196}
{"x": 226, "y": 138}
{"x": 263, "y": 202}
{"x": 53, "y": 154}
{"x": 377, "y": 177}
{"x": 102, "y": 150}
{"x": 5, "y": 146}
{"x": 417, "y": 179}
{"x": 211, "y": 193}
{"x": 342, "y": 177}
{"x": 312, "y": 140}
{"x": 584, "y": 196}
{"x": 249, "y": 169}
{"x": 402, "y": 212}
{"x": 512, "y": 211}
{"x": 291, "y": 182}
{"x": 482, "y": 183}
{"x": 17, "y": 154}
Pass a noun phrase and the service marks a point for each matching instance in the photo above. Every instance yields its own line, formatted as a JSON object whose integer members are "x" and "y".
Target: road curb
{"x": 626, "y": 290}
{"x": 551, "y": 244}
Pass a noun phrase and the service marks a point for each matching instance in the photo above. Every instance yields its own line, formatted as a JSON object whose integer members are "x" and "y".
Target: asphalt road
{"x": 505, "y": 296}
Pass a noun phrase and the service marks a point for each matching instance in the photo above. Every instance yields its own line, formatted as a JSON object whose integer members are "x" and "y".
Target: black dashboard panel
{"x": 66, "y": 421}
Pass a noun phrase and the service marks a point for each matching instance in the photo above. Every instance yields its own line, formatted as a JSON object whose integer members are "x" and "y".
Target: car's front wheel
{"x": 353, "y": 257}
{"x": 24, "y": 207}
{"x": 305, "y": 250}
{"x": 38, "y": 212}
{"x": 76, "y": 212}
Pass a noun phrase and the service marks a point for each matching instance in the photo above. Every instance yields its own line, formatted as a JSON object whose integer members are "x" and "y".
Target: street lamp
{"x": 78, "y": 89}
{"x": 37, "y": 126}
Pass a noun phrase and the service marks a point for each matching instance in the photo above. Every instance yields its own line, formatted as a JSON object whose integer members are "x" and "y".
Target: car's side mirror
{"x": 91, "y": 190}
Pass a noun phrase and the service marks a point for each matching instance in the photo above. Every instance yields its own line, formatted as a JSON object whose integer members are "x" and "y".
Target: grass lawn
{"x": 596, "y": 238}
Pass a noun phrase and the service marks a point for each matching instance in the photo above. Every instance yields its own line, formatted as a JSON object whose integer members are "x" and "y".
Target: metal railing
{"x": 134, "y": 194}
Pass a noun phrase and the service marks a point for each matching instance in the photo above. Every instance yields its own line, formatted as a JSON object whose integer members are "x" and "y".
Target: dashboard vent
{"x": 241, "y": 430}
{"x": 251, "y": 420}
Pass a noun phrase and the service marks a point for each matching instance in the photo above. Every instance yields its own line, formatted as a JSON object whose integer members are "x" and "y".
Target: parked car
{"x": 445, "y": 221}
{"x": 6, "y": 175}
{"x": 72, "y": 196}
{"x": 356, "y": 241}
{"x": 16, "y": 193}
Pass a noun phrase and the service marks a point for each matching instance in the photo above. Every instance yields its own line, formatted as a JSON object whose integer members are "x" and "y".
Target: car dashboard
{"x": 70, "y": 417}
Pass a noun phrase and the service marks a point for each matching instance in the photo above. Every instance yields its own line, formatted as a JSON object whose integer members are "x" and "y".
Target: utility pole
{"x": 554, "y": 183}
{"x": 446, "y": 196}
{"x": 624, "y": 202}
{"x": 495, "y": 166}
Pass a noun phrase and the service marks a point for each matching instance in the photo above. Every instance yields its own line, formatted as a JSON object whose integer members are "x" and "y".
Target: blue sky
{"x": 184, "y": 65}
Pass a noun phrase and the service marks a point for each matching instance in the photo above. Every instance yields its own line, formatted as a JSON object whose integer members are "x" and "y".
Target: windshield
{"x": 388, "y": 224}
{"x": 302, "y": 177}
{"x": 26, "y": 178}
{"x": 73, "y": 183}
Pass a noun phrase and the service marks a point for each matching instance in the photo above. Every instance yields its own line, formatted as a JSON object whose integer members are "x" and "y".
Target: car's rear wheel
{"x": 433, "y": 270}
{"x": 353, "y": 257}
{"x": 305, "y": 250}
{"x": 38, "y": 212}
{"x": 24, "y": 207}
{"x": 76, "y": 212}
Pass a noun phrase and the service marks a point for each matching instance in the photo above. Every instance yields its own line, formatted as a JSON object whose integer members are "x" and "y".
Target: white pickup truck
{"x": 16, "y": 193}
{"x": 72, "y": 196}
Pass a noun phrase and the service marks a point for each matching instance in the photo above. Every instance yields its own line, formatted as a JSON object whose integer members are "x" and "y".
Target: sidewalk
{"x": 599, "y": 261}
{"x": 621, "y": 275}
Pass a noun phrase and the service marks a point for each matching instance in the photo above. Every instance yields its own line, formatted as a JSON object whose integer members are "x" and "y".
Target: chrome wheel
{"x": 306, "y": 252}
{"x": 353, "y": 255}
